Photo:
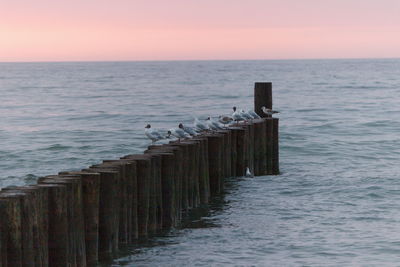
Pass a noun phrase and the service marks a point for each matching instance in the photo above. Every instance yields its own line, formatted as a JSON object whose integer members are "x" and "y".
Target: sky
{"x": 113, "y": 30}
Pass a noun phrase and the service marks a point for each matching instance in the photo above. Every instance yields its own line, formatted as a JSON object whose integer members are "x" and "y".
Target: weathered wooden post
{"x": 269, "y": 144}
{"x": 204, "y": 186}
{"x": 40, "y": 226}
{"x": 90, "y": 199}
{"x": 178, "y": 152}
{"x": 234, "y": 152}
{"x": 275, "y": 146}
{"x": 34, "y": 204}
{"x": 124, "y": 199}
{"x": 259, "y": 147}
{"x": 241, "y": 150}
{"x": 194, "y": 191}
{"x": 156, "y": 195}
{"x": 167, "y": 186}
{"x": 108, "y": 211}
{"x": 144, "y": 175}
{"x": 262, "y": 97}
{"x": 29, "y": 220}
{"x": 57, "y": 224}
{"x": 215, "y": 148}
{"x": 114, "y": 191}
{"x": 132, "y": 191}
{"x": 76, "y": 236}
{"x": 11, "y": 218}
{"x": 184, "y": 177}
{"x": 249, "y": 159}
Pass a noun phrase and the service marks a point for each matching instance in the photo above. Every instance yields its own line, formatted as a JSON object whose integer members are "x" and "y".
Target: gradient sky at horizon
{"x": 96, "y": 30}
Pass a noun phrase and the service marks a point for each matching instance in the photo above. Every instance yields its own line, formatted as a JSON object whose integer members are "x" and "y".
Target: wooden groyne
{"x": 80, "y": 218}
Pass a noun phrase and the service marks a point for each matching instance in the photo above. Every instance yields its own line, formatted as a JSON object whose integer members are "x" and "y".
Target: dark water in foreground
{"x": 338, "y": 198}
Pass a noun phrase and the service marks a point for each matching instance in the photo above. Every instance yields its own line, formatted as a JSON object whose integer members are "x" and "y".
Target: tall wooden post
{"x": 262, "y": 97}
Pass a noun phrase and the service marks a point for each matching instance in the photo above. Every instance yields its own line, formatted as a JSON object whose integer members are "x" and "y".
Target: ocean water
{"x": 336, "y": 202}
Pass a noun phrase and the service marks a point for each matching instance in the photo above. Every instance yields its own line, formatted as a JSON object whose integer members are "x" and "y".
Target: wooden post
{"x": 259, "y": 147}
{"x": 29, "y": 217}
{"x": 157, "y": 190}
{"x": 241, "y": 135}
{"x": 184, "y": 174}
{"x": 124, "y": 199}
{"x": 275, "y": 146}
{"x": 204, "y": 186}
{"x": 133, "y": 198}
{"x": 34, "y": 207}
{"x": 262, "y": 97}
{"x": 269, "y": 144}
{"x": 76, "y": 236}
{"x": 108, "y": 211}
{"x": 143, "y": 170}
{"x": 40, "y": 226}
{"x": 234, "y": 153}
{"x": 57, "y": 224}
{"x": 194, "y": 191}
{"x": 11, "y": 218}
{"x": 90, "y": 199}
{"x": 249, "y": 143}
{"x": 167, "y": 186}
{"x": 226, "y": 153}
{"x": 215, "y": 143}
{"x": 178, "y": 178}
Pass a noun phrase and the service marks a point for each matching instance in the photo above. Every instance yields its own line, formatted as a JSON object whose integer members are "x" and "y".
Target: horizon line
{"x": 191, "y": 60}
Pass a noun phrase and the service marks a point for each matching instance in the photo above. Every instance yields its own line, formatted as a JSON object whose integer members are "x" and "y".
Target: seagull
{"x": 152, "y": 134}
{"x": 269, "y": 111}
{"x": 198, "y": 125}
{"x": 178, "y": 133}
{"x": 255, "y": 115}
{"x": 248, "y": 173}
{"x": 225, "y": 119}
{"x": 187, "y": 129}
{"x": 213, "y": 124}
{"x": 245, "y": 115}
{"x": 236, "y": 115}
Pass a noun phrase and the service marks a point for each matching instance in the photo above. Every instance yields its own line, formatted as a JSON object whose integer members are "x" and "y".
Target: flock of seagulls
{"x": 224, "y": 121}
{"x": 210, "y": 124}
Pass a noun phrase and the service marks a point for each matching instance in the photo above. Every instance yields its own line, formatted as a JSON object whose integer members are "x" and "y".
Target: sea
{"x": 335, "y": 203}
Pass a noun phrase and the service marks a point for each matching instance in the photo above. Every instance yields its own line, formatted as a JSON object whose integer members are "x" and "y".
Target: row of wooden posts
{"x": 82, "y": 217}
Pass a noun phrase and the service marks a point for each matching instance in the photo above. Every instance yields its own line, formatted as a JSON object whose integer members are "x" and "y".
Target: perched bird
{"x": 255, "y": 115}
{"x": 248, "y": 173}
{"x": 213, "y": 124}
{"x": 236, "y": 115}
{"x": 188, "y": 129}
{"x": 269, "y": 111}
{"x": 245, "y": 115}
{"x": 178, "y": 133}
{"x": 152, "y": 134}
{"x": 198, "y": 125}
{"x": 225, "y": 119}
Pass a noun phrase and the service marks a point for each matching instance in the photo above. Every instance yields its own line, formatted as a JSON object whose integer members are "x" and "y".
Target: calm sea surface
{"x": 337, "y": 202}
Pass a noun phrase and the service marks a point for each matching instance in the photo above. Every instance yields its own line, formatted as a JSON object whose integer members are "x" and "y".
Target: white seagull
{"x": 188, "y": 129}
{"x": 198, "y": 125}
{"x": 152, "y": 134}
{"x": 213, "y": 124}
{"x": 236, "y": 115}
{"x": 225, "y": 119}
{"x": 248, "y": 173}
{"x": 255, "y": 115}
{"x": 178, "y": 133}
{"x": 245, "y": 115}
{"x": 269, "y": 111}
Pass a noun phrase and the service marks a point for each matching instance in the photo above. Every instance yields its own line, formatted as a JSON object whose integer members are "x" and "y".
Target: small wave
{"x": 56, "y": 147}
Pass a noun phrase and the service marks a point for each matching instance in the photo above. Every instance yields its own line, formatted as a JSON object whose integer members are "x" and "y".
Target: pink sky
{"x": 49, "y": 30}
